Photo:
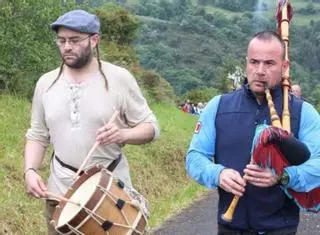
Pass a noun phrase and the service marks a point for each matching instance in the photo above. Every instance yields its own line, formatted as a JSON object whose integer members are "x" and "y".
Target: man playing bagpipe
{"x": 264, "y": 177}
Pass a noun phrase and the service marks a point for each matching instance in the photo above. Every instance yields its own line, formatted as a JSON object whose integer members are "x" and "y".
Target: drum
{"x": 105, "y": 206}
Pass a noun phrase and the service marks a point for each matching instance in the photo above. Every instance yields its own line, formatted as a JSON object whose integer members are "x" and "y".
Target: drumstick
{"x": 60, "y": 198}
{"x": 113, "y": 117}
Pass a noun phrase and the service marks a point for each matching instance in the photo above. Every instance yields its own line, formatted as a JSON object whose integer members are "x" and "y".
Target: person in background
{"x": 186, "y": 106}
{"x": 200, "y": 107}
{"x": 296, "y": 90}
{"x": 220, "y": 150}
{"x": 71, "y": 108}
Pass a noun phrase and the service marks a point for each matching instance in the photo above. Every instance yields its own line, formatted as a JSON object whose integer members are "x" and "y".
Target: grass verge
{"x": 157, "y": 169}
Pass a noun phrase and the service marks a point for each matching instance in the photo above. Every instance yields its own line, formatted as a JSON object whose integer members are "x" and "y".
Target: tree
{"x": 167, "y": 7}
{"x": 201, "y": 95}
{"x": 203, "y": 2}
{"x": 180, "y": 8}
{"x": 117, "y": 25}
{"x": 26, "y": 43}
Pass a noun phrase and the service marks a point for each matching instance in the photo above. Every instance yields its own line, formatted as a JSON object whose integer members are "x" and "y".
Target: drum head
{"x": 82, "y": 195}
{"x": 106, "y": 207}
{"x": 81, "y": 192}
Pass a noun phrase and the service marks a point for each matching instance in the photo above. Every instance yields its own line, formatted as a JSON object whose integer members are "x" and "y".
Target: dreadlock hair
{"x": 59, "y": 74}
{"x": 100, "y": 70}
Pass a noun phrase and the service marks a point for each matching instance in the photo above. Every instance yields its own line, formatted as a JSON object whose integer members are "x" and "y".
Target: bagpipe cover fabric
{"x": 276, "y": 149}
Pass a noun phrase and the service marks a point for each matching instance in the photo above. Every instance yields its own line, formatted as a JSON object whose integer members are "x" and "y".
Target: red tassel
{"x": 266, "y": 153}
{"x": 279, "y": 13}
{"x": 309, "y": 200}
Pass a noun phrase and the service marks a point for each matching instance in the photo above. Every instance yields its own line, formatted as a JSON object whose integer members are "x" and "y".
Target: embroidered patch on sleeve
{"x": 197, "y": 128}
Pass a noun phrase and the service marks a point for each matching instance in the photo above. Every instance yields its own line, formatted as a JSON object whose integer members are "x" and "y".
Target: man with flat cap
{"x": 71, "y": 108}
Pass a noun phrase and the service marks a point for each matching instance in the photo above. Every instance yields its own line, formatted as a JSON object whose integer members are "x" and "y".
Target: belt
{"x": 110, "y": 168}
{"x": 66, "y": 165}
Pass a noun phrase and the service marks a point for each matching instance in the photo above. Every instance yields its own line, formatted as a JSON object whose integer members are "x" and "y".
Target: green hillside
{"x": 195, "y": 44}
{"x": 298, "y": 6}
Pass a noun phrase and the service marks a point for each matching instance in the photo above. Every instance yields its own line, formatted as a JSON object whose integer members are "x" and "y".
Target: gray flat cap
{"x": 78, "y": 20}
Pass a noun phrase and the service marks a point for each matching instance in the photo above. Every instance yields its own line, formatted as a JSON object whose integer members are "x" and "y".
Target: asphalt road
{"x": 200, "y": 219}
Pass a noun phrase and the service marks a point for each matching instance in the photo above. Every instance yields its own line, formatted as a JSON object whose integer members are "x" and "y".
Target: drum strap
{"x": 110, "y": 168}
{"x": 114, "y": 163}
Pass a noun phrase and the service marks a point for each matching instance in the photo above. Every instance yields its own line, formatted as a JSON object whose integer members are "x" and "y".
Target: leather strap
{"x": 110, "y": 168}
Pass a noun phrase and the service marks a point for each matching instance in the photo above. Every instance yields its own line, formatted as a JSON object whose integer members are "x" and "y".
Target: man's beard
{"x": 81, "y": 61}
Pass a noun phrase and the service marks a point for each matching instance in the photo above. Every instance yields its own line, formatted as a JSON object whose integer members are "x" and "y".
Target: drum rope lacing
{"x": 143, "y": 211}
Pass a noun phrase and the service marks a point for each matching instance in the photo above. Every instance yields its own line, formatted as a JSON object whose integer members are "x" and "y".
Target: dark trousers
{"x": 225, "y": 230}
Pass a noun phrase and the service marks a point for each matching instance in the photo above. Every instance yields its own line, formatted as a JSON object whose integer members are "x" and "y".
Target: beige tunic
{"x": 68, "y": 115}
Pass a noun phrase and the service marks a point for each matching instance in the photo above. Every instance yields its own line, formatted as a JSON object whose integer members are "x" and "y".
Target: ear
{"x": 94, "y": 39}
{"x": 246, "y": 66}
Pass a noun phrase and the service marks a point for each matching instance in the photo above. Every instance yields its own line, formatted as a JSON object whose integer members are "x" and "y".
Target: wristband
{"x": 29, "y": 169}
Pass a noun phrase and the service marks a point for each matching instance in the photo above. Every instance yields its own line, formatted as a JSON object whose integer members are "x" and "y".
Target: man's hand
{"x": 111, "y": 134}
{"x": 260, "y": 177}
{"x": 34, "y": 184}
{"x": 231, "y": 181}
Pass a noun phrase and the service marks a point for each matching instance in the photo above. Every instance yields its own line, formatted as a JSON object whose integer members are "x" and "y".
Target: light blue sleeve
{"x": 199, "y": 159}
{"x": 306, "y": 177}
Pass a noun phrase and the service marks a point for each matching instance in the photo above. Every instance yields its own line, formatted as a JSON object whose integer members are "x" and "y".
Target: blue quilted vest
{"x": 260, "y": 209}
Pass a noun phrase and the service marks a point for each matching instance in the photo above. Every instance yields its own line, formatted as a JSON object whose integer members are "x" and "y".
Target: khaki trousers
{"x": 50, "y": 207}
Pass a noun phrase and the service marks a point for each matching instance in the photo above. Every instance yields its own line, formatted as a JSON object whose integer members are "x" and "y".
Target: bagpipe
{"x": 274, "y": 146}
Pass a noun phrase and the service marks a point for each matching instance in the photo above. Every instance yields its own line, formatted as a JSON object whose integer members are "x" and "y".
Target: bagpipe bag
{"x": 276, "y": 149}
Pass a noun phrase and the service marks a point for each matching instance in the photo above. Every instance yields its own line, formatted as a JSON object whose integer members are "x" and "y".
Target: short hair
{"x": 267, "y": 35}
{"x": 296, "y": 85}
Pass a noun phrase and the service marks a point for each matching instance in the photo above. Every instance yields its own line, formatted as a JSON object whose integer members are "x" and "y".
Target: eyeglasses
{"x": 74, "y": 41}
